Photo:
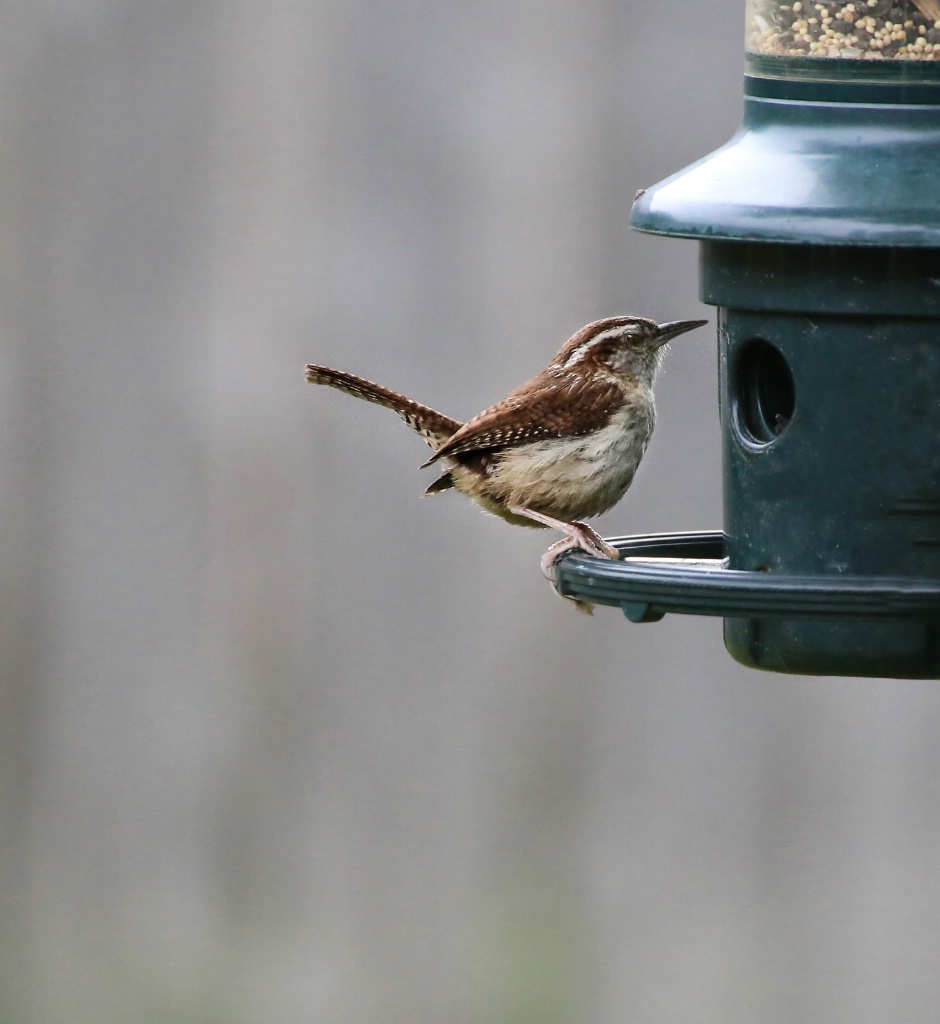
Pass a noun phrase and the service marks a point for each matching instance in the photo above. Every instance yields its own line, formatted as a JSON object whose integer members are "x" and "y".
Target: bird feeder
{"x": 819, "y": 231}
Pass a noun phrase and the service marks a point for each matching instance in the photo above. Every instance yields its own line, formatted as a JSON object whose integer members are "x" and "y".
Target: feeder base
{"x": 895, "y": 650}
{"x": 809, "y": 625}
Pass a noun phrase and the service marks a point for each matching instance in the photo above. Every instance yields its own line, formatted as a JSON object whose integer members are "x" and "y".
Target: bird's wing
{"x": 552, "y": 408}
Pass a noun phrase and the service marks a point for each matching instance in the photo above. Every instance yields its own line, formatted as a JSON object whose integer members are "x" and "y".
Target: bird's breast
{"x": 574, "y": 477}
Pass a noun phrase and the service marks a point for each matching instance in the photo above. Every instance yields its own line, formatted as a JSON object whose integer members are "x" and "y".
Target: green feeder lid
{"x": 854, "y": 160}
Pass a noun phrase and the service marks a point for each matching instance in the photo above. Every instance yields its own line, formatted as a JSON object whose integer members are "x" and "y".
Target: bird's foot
{"x": 578, "y": 536}
{"x": 587, "y": 541}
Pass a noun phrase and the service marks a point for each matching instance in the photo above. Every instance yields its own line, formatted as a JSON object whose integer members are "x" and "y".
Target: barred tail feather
{"x": 433, "y": 426}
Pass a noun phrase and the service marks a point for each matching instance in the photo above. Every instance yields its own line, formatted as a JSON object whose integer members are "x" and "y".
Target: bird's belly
{"x": 570, "y": 478}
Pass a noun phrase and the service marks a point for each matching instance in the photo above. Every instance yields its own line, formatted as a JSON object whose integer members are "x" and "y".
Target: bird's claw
{"x": 582, "y": 538}
{"x": 578, "y": 536}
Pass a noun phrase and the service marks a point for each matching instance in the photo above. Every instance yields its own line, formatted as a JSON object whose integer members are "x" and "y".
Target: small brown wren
{"x": 563, "y": 446}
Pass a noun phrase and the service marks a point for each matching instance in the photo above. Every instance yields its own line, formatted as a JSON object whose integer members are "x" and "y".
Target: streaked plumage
{"x": 562, "y": 446}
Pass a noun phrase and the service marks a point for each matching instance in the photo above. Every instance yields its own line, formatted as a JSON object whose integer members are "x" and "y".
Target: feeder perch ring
{"x": 687, "y": 573}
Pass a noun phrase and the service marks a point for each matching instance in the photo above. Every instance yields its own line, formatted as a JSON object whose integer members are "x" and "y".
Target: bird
{"x": 562, "y": 447}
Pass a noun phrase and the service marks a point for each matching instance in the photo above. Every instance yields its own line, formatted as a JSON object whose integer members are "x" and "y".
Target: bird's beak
{"x": 676, "y": 327}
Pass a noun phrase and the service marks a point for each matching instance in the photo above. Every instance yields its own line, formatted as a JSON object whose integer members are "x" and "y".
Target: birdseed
{"x": 863, "y": 30}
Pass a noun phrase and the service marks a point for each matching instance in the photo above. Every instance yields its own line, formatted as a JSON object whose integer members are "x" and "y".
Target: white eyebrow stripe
{"x": 611, "y": 332}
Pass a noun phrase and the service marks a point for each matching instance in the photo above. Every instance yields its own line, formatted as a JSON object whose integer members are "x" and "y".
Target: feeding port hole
{"x": 764, "y": 396}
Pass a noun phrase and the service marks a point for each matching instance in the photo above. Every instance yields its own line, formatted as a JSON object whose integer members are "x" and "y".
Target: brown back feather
{"x": 552, "y": 405}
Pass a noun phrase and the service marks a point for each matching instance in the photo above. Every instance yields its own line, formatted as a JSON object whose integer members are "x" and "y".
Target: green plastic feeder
{"x": 819, "y": 225}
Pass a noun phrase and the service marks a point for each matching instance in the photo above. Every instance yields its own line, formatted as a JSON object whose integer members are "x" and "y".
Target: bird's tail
{"x": 433, "y": 426}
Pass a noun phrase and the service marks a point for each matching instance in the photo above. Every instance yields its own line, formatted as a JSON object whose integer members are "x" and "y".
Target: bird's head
{"x": 629, "y": 345}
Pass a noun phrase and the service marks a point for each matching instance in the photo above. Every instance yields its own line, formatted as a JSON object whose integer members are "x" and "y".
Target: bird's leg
{"x": 577, "y": 536}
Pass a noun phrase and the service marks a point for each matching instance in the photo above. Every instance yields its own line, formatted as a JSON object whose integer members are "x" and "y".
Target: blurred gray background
{"x": 281, "y": 742}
